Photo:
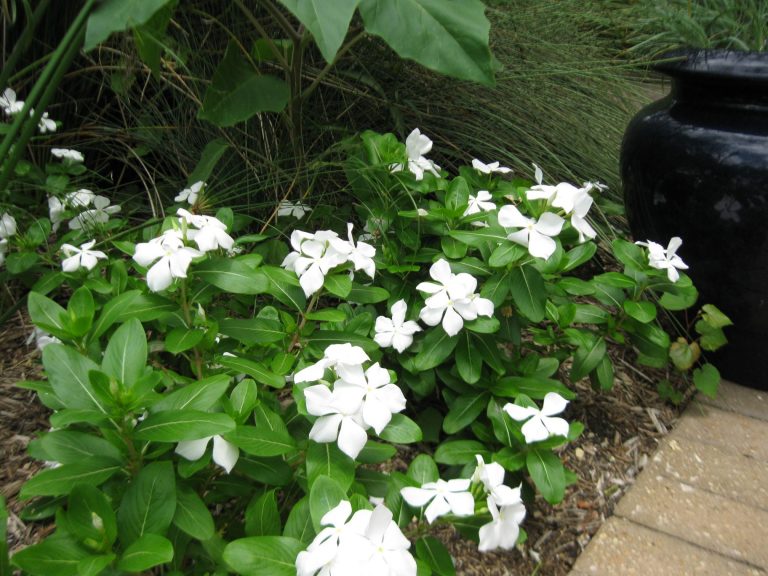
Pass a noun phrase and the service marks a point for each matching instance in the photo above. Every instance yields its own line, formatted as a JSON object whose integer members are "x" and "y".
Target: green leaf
{"x": 52, "y": 557}
{"x": 284, "y": 286}
{"x": 148, "y": 551}
{"x": 81, "y": 309}
{"x": 641, "y": 311}
{"x": 211, "y": 155}
{"x": 149, "y": 37}
{"x": 464, "y": 411}
{"x": 602, "y": 376}
{"x": 448, "y": 36}
{"x": 437, "y": 346}
{"x": 324, "y": 495}
{"x": 263, "y": 555}
{"x": 90, "y": 516}
{"x": 707, "y": 380}
{"x": 327, "y": 315}
{"x": 262, "y": 518}
{"x": 459, "y": 452}
{"x": 506, "y": 254}
{"x": 68, "y": 374}
{"x": 547, "y": 473}
{"x": 232, "y": 275}
{"x": 116, "y": 16}
{"x": 59, "y": 481}
{"x": 180, "y": 339}
{"x": 629, "y": 254}
{"x": 587, "y": 357}
{"x": 180, "y": 425}
{"x": 528, "y": 292}
{"x": 94, "y": 565}
{"x": 192, "y": 515}
{"x": 69, "y": 447}
{"x": 480, "y": 237}
{"x": 367, "y": 294}
{"x": 531, "y": 386}
{"x": 147, "y": 307}
{"x": 616, "y": 280}
{"x": 328, "y": 460}
{"x": 260, "y": 441}
{"x": 126, "y": 355}
{"x": 237, "y": 91}
{"x": 376, "y": 453}
{"x": 253, "y": 331}
{"x": 149, "y": 503}
{"x": 590, "y": 314}
{"x": 48, "y": 315}
{"x": 714, "y": 317}
{"x": 469, "y": 362}
{"x": 200, "y": 395}
{"x": 338, "y": 284}
{"x": 111, "y": 311}
{"x": 327, "y": 21}
{"x": 453, "y": 248}
{"x": 423, "y": 469}
{"x": 575, "y": 257}
{"x": 299, "y": 522}
{"x": 433, "y": 552}
{"x": 255, "y": 370}
{"x": 401, "y": 430}
{"x": 324, "y": 338}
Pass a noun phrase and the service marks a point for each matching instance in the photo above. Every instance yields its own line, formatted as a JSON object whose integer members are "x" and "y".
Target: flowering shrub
{"x": 224, "y": 403}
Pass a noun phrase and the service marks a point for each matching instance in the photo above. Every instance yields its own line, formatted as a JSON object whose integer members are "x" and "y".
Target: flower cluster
{"x": 13, "y": 106}
{"x": 97, "y": 214}
{"x": 358, "y": 400}
{"x": 368, "y": 542}
{"x": 443, "y": 497}
{"x": 315, "y": 255}
{"x": 504, "y": 504}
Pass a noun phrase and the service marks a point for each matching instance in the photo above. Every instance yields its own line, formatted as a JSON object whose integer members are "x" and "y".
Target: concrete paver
{"x": 735, "y": 398}
{"x": 624, "y": 548}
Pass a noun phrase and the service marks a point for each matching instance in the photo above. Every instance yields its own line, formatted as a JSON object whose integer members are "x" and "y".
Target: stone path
{"x": 701, "y": 505}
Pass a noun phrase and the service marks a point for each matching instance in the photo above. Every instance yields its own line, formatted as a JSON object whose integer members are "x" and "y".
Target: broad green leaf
{"x": 148, "y": 551}
{"x": 714, "y": 317}
{"x": 324, "y": 338}
{"x": 576, "y": 286}
{"x": 149, "y": 37}
{"x": 531, "y": 386}
{"x": 587, "y": 357}
{"x": 507, "y": 253}
{"x": 210, "y": 156}
{"x": 707, "y": 380}
{"x": 327, "y": 460}
{"x": 375, "y": 453}
{"x": 69, "y": 447}
{"x": 299, "y": 522}
{"x": 192, "y": 515}
{"x": 528, "y": 292}
{"x": 94, "y": 565}
{"x": 711, "y": 338}
{"x": 48, "y": 315}
{"x": 59, "y": 481}
{"x": 262, "y": 517}
{"x": 237, "y": 91}
{"x": 367, "y": 294}
{"x": 68, "y": 374}
{"x": 327, "y": 315}
{"x": 116, "y": 16}
{"x": 629, "y": 254}
{"x": 480, "y": 237}
{"x": 448, "y": 36}
{"x": 324, "y": 495}
{"x": 464, "y": 411}
{"x": 437, "y": 346}
{"x": 200, "y": 395}
{"x": 327, "y": 21}
{"x": 469, "y": 362}
{"x": 453, "y": 248}
{"x": 260, "y": 441}
{"x": 232, "y": 275}
{"x": 253, "y": 331}
{"x": 488, "y": 346}
{"x": 459, "y": 452}
{"x": 147, "y": 307}
{"x": 85, "y": 505}
{"x": 179, "y": 425}
{"x": 575, "y": 257}
{"x": 126, "y": 355}
{"x": 423, "y": 469}
{"x": 401, "y": 430}
{"x": 433, "y": 552}
{"x": 52, "y": 557}
{"x": 81, "y": 309}
{"x": 642, "y": 311}
{"x": 547, "y": 473}
{"x": 284, "y": 286}
{"x": 338, "y": 284}
{"x": 149, "y": 503}
{"x": 496, "y": 287}
{"x": 270, "y": 471}
{"x": 111, "y": 311}
{"x": 616, "y": 280}
{"x": 590, "y": 314}
{"x": 180, "y": 339}
{"x": 244, "y": 398}
{"x": 263, "y": 555}
{"x": 602, "y": 376}
{"x": 255, "y": 370}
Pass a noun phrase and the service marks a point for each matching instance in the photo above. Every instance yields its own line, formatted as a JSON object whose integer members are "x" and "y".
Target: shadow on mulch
{"x": 623, "y": 428}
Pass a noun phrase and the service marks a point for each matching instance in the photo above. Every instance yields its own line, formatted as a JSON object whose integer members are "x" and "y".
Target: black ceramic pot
{"x": 695, "y": 165}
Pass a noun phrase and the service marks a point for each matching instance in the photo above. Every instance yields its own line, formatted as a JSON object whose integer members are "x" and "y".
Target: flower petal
{"x": 225, "y": 454}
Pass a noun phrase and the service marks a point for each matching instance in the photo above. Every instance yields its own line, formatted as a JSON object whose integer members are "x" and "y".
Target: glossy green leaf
{"x": 367, "y": 294}
{"x": 210, "y": 156}
{"x": 328, "y": 460}
{"x": 423, "y": 469}
{"x": 200, "y": 395}
{"x": 60, "y": 480}
{"x": 325, "y": 494}
{"x": 68, "y": 447}
{"x": 642, "y": 311}
{"x": 52, "y": 557}
{"x": 126, "y": 355}
{"x": 547, "y": 472}
{"x": 263, "y": 555}
{"x": 252, "y": 331}
{"x": 232, "y": 275}
{"x": 81, "y": 309}
{"x": 707, "y": 380}
{"x": 469, "y": 362}
{"x": 179, "y": 425}
{"x": 111, "y": 311}
{"x": 255, "y": 370}
{"x": 192, "y": 515}
{"x": 262, "y": 517}
{"x": 528, "y": 292}
{"x": 149, "y": 503}
{"x": 401, "y": 430}
{"x": 299, "y": 522}
{"x": 68, "y": 374}
{"x": 324, "y": 338}
{"x": 48, "y": 315}
{"x": 90, "y": 516}
{"x": 435, "y": 555}
{"x": 147, "y": 307}
{"x": 338, "y": 284}
{"x": 148, "y": 551}
{"x": 532, "y": 386}
{"x": 459, "y": 452}
{"x": 327, "y": 21}
{"x": 587, "y": 357}
{"x": 437, "y": 346}
{"x": 179, "y": 340}
{"x": 116, "y": 16}
{"x": 464, "y": 410}
{"x": 259, "y": 441}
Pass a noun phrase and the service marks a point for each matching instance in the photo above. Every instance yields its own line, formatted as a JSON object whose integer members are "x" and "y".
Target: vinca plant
{"x": 230, "y": 402}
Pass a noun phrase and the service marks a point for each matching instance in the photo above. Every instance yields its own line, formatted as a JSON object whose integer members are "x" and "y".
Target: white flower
{"x": 541, "y": 424}
{"x": 174, "y": 259}
{"x": 504, "y": 529}
{"x": 492, "y": 477}
{"x": 396, "y": 332}
{"x": 41, "y": 338}
{"x": 380, "y": 398}
{"x": 7, "y": 226}
{"x": 211, "y": 233}
{"x": 313, "y": 257}
{"x": 444, "y": 497}
{"x": 55, "y": 212}
{"x": 540, "y": 191}
{"x": 46, "y": 124}
{"x": 361, "y": 254}
{"x": 80, "y": 199}
{"x": 579, "y": 220}
{"x": 82, "y": 257}
{"x": 668, "y": 260}
{"x": 3, "y": 250}
{"x": 323, "y": 551}
{"x": 345, "y": 359}
{"x": 99, "y": 214}
{"x": 225, "y": 454}
{"x": 535, "y": 235}
{"x": 452, "y": 300}
{"x": 295, "y": 209}
{"x": 416, "y": 145}
{"x": 190, "y": 194}
{"x": 421, "y": 212}
{"x": 480, "y": 203}
{"x": 66, "y": 154}
{"x": 489, "y": 168}
{"x": 9, "y": 104}
{"x": 340, "y": 418}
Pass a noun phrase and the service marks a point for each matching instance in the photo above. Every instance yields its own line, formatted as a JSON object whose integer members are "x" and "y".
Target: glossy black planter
{"x": 695, "y": 165}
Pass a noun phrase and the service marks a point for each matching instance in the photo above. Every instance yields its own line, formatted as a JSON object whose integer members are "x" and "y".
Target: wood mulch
{"x": 623, "y": 428}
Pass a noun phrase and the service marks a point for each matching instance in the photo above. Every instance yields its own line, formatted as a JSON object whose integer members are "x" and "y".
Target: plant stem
{"x": 188, "y": 319}
{"x": 23, "y": 42}
{"x": 263, "y": 33}
{"x": 303, "y": 321}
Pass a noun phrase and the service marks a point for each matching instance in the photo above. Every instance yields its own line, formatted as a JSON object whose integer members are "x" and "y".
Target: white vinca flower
{"x": 225, "y": 454}
{"x": 668, "y": 259}
{"x": 7, "y": 226}
{"x": 540, "y": 424}
{"x": 396, "y": 332}
{"x": 361, "y": 254}
{"x": 80, "y": 199}
{"x": 480, "y": 203}
{"x": 416, "y": 145}
{"x": 295, "y": 209}
{"x": 172, "y": 256}
{"x": 452, "y": 299}
{"x": 504, "y": 528}
{"x": 492, "y": 477}
{"x": 314, "y": 256}
{"x": 55, "y": 212}
{"x": 380, "y": 398}
{"x": 41, "y": 338}
{"x": 210, "y": 233}
{"x": 3, "y": 250}
{"x": 67, "y": 154}
{"x": 323, "y": 552}
{"x": 340, "y": 418}
{"x": 489, "y": 168}
{"x": 536, "y": 235}
{"x": 45, "y": 124}
{"x": 384, "y": 550}
{"x": 190, "y": 194}
{"x": 98, "y": 215}
{"x": 8, "y": 102}
{"x": 347, "y": 360}
{"x": 444, "y": 497}
{"x": 82, "y": 257}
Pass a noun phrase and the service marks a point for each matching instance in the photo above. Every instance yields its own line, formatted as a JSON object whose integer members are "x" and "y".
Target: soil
{"x": 623, "y": 428}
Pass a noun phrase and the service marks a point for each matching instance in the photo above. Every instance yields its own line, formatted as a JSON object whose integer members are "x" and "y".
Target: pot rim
{"x": 715, "y": 65}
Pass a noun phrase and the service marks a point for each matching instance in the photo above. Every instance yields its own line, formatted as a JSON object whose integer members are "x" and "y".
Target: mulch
{"x": 623, "y": 429}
